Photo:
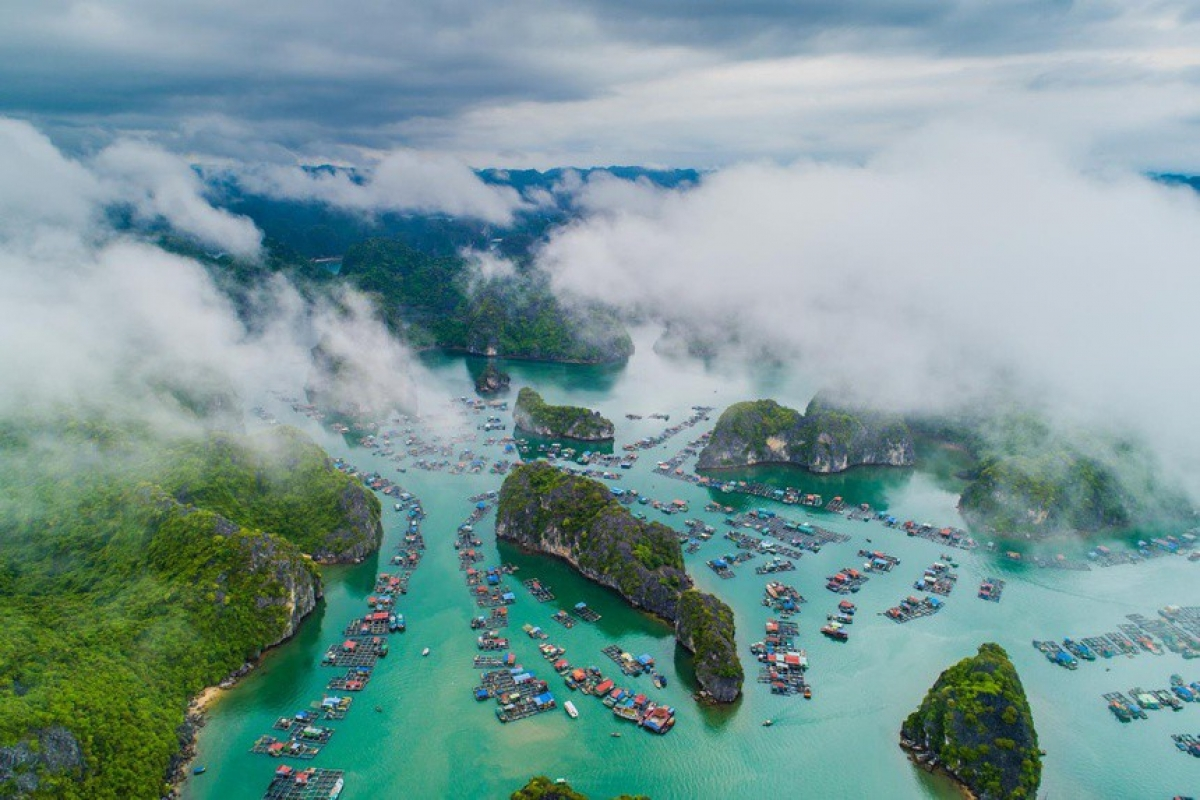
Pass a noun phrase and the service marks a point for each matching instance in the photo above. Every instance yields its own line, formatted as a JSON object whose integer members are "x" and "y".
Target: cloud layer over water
{"x": 957, "y": 265}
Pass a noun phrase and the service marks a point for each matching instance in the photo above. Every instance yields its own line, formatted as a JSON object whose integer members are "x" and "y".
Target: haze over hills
{"x": 969, "y": 227}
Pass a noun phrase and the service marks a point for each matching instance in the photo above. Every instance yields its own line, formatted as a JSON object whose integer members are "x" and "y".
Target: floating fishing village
{"x": 767, "y": 543}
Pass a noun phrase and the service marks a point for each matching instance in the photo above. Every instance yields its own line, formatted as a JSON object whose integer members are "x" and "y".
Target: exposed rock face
{"x": 532, "y": 414}
{"x": 360, "y": 532}
{"x": 492, "y": 380}
{"x": 47, "y": 751}
{"x": 579, "y": 521}
{"x": 705, "y": 627}
{"x": 279, "y": 480}
{"x": 295, "y": 581}
{"x": 824, "y": 439}
{"x": 975, "y": 723}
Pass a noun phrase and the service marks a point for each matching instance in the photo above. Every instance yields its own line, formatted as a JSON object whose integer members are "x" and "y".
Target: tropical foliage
{"x": 133, "y": 573}
{"x": 976, "y": 720}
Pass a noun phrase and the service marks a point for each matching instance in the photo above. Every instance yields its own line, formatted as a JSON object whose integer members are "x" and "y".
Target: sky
{"x": 541, "y": 83}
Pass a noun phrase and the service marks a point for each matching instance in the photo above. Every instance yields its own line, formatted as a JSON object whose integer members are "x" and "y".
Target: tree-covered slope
{"x": 439, "y": 301}
{"x": 133, "y": 573}
{"x": 705, "y": 626}
{"x": 533, "y": 414}
{"x": 578, "y": 520}
{"x": 278, "y": 480}
{"x": 1033, "y": 479}
{"x": 976, "y": 723}
{"x": 825, "y": 438}
{"x": 542, "y": 788}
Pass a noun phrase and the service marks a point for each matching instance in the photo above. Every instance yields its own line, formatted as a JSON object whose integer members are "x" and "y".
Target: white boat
{"x": 425, "y": 652}
{"x": 572, "y": 711}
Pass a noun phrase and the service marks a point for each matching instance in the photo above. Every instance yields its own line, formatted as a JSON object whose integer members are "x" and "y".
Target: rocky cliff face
{"x": 47, "y": 752}
{"x": 578, "y": 520}
{"x": 705, "y": 627}
{"x": 824, "y": 439}
{"x": 492, "y": 380}
{"x": 975, "y": 724}
{"x": 359, "y": 533}
{"x": 534, "y": 415}
{"x": 295, "y": 584}
{"x": 278, "y": 480}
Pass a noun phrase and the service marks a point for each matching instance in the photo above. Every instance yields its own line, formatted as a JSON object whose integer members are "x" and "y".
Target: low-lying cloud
{"x": 93, "y": 319}
{"x": 402, "y": 181}
{"x": 955, "y": 265}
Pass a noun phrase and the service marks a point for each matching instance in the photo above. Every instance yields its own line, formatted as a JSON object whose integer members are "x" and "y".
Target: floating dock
{"x": 306, "y": 784}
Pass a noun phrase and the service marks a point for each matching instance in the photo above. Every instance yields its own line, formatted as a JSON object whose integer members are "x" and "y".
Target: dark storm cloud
{"x": 366, "y": 72}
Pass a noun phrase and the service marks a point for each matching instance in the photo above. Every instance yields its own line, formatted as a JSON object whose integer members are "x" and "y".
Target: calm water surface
{"x": 432, "y": 739}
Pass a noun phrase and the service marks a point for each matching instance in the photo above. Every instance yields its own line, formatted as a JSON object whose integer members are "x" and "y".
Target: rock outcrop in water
{"x": 492, "y": 380}
{"x": 976, "y": 725}
{"x": 579, "y": 521}
{"x": 705, "y": 627}
{"x": 531, "y": 413}
{"x": 542, "y": 788}
{"x": 824, "y": 439}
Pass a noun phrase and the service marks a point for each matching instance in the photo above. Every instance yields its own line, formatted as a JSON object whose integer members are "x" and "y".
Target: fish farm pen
{"x": 306, "y": 784}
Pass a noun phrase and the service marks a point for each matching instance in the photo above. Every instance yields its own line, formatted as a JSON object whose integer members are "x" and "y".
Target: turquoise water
{"x": 432, "y": 739}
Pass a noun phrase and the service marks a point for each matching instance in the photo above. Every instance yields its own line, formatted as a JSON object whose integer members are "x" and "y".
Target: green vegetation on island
{"x": 440, "y": 301}
{"x": 705, "y": 626}
{"x": 134, "y": 573}
{"x": 531, "y": 413}
{"x": 825, "y": 438}
{"x": 542, "y": 788}
{"x": 975, "y": 724}
{"x": 578, "y": 520}
{"x": 492, "y": 380}
{"x": 1030, "y": 479}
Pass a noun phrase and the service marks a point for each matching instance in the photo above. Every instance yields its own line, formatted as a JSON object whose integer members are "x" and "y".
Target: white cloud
{"x": 956, "y": 261}
{"x": 403, "y": 180}
{"x": 161, "y": 186}
{"x": 91, "y": 318}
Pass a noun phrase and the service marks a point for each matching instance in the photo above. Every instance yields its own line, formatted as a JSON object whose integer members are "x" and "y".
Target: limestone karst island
{"x": 548, "y": 401}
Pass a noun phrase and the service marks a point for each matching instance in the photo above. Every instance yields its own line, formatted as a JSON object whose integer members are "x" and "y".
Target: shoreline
{"x": 196, "y": 715}
{"x": 939, "y": 769}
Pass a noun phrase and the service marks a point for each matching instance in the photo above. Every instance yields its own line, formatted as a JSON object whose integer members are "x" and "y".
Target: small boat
{"x": 425, "y": 652}
{"x": 200, "y": 770}
{"x": 378, "y": 709}
{"x": 807, "y": 693}
{"x": 766, "y": 723}
{"x": 615, "y": 734}
{"x": 571, "y": 710}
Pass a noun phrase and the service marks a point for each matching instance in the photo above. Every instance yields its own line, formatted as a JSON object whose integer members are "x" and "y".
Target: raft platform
{"x": 540, "y": 592}
{"x": 911, "y": 608}
{"x": 307, "y": 784}
{"x": 991, "y": 589}
{"x": 1187, "y": 743}
{"x": 721, "y": 567}
{"x": 586, "y": 614}
{"x": 775, "y": 565}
